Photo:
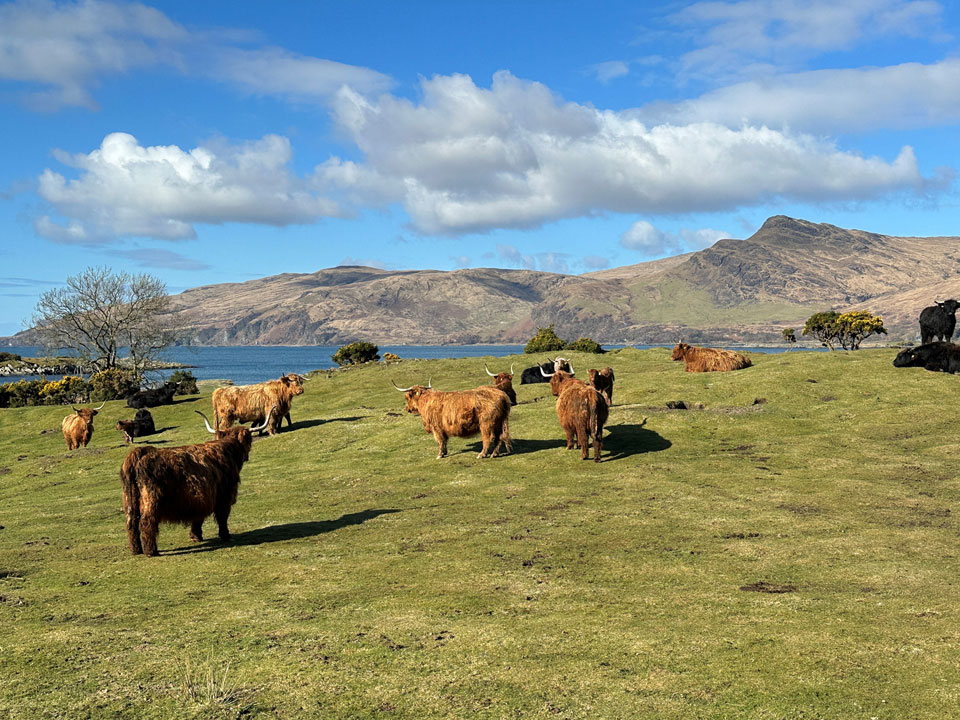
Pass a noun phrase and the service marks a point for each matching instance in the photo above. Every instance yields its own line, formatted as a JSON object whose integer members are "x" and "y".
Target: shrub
{"x": 112, "y": 384}
{"x": 391, "y": 358}
{"x": 355, "y": 353}
{"x": 789, "y": 335}
{"x": 186, "y": 382}
{"x": 25, "y": 392}
{"x": 5, "y": 395}
{"x": 66, "y": 391}
{"x": 7, "y": 357}
{"x": 545, "y": 340}
{"x": 585, "y": 345}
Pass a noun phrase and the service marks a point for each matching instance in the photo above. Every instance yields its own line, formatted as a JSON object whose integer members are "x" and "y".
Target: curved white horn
{"x": 430, "y": 384}
{"x": 488, "y": 372}
{"x": 206, "y": 422}
{"x": 101, "y": 405}
{"x": 266, "y": 421}
{"x": 511, "y": 368}
{"x": 400, "y": 388}
{"x": 570, "y": 365}
{"x": 545, "y": 374}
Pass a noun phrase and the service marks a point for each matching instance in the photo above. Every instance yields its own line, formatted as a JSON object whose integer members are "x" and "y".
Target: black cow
{"x": 937, "y": 356}
{"x": 533, "y": 374}
{"x": 162, "y": 395}
{"x": 938, "y": 321}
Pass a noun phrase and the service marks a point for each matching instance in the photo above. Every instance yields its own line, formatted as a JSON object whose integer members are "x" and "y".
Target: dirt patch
{"x": 740, "y": 536}
{"x": 765, "y": 587}
{"x": 800, "y": 509}
{"x": 5, "y": 471}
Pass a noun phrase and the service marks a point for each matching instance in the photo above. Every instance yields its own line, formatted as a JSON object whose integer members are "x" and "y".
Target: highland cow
{"x": 78, "y": 429}
{"x": 485, "y": 410}
{"x": 602, "y": 381}
{"x": 183, "y": 485}
{"x": 582, "y": 412}
{"x": 140, "y": 426}
{"x": 504, "y": 381}
{"x": 537, "y": 373}
{"x": 938, "y": 321}
{"x": 162, "y": 395}
{"x": 937, "y": 356}
{"x": 700, "y": 359}
{"x": 250, "y": 403}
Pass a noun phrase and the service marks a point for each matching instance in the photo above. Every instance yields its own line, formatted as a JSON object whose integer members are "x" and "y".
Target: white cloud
{"x": 275, "y": 71}
{"x": 470, "y": 159}
{"x": 741, "y": 37}
{"x": 595, "y": 262}
{"x": 66, "y": 47}
{"x": 363, "y": 262}
{"x": 125, "y": 189}
{"x": 160, "y": 258}
{"x": 651, "y": 241}
{"x": 607, "y": 71}
{"x": 552, "y": 262}
{"x": 910, "y": 95}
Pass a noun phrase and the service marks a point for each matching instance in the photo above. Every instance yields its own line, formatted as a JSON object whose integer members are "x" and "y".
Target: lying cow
{"x": 78, "y": 429}
{"x": 251, "y": 403}
{"x": 183, "y": 484}
{"x": 162, "y": 395}
{"x": 537, "y": 373}
{"x": 485, "y": 410}
{"x": 936, "y": 356}
{"x": 701, "y": 359}
{"x": 504, "y": 381}
{"x": 602, "y": 381}
{"x": 582, "y": 412}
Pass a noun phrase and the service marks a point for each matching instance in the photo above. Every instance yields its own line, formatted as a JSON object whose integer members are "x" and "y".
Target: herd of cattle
{"x": 187, "y": 484}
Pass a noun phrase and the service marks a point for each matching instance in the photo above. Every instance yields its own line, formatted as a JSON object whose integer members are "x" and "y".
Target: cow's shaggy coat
{"x": 938, "y": 321}
{"x": 78, "y": 428}
{"x": 485, "y": 410}
{"x": 582, "y": 412}
{"x": 602, "y": 381}
{"x": 700, "y": 359}
{"x": 504, "y": 381}
{"x": 183, "y": 485}
{"x": 251, "y": 403}
{"x": 937, "y": 356}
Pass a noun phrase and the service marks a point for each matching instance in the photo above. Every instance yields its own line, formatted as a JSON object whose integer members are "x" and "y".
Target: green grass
{"x": 369, "y": 580}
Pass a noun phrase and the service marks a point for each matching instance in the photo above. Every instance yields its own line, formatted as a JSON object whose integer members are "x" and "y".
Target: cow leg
{"x": 569, "y": 432}
{"x": 133, "y": 533}
{"x": 222, "y": 514}
{"x": 196, "y": 530}
{"x": 149, "y": 526}
{"x": 487, "y": 437}
{"x": 289, "y": 421}
{"x": 583, "y": 438}
{"x": 597, "y": 446}
{"x": 442, "y": 442}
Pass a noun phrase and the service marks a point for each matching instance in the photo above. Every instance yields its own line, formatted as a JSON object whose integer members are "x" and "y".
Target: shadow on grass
{"x": 626, "y": 440}
{"x": 523, "y": 446}
{"x": 303, "y": 424}
{"x": 277, "y": 533}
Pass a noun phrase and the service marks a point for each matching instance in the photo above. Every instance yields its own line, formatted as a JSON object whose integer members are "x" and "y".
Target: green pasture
{"x": 786, "y": 550}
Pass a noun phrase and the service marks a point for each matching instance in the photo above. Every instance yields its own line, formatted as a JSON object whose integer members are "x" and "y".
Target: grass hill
{"x": 787, "y": 551}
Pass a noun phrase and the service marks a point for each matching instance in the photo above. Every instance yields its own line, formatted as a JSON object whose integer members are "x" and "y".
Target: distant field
{"x": 788, "y": 551}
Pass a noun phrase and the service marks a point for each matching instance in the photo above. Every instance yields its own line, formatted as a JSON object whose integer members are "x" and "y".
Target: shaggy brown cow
{"x": 78, "y": 429}
{"x": 504, "y": 381}
{"x": 129, "y": 430}
{"x": 700, "y": 359}
{"x": 462, "y": 414}
{"x": 184, "y": 485}
{"x": 250, "y": 403}
{"x": 582, "y": 411}
{"x": 602, "y": 380}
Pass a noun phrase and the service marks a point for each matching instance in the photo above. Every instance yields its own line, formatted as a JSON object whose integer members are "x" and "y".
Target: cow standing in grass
{"x": 251, "y": 403}
{"x": 485, "y": 410}
{"x": 938, "y": 321}
{"x": 582, "y": 412}
{"x": 504, "y": 381}
{"x": 602, "y": 381}
{"x": 700, "y": 359}
{"x": 183, "y": 484}
{"x": 78, "y": 428}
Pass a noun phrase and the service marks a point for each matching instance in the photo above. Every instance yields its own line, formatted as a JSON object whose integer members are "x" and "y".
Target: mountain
{"x": 737, "y": 291}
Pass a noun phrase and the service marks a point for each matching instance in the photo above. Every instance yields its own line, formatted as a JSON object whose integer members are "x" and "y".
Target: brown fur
{"x": 183, "y": 485}
{"x": 504, "y": 382}
{"x": 700, "y": 359}
{"x": 78, "y": 427}
{"x": 485, "y": 410}
{"x": 250, "y": 403}
{"x": 129, "y": 430}
{"x": 602, "y": 380}
{"x": 582, "y": 412}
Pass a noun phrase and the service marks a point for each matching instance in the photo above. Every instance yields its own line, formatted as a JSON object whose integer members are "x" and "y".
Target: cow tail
{"x": 131, "y": 500}
{"x": 505, "y": 435}
{"x": 592, "y": 419}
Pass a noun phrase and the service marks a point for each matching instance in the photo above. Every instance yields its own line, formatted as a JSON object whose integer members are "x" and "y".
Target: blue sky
{"x": 222, "y": 141}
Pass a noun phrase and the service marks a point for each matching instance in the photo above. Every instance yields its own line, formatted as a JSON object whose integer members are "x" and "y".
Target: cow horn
{"x": 430, "y": 384}
{"x": 570, "y": 365}
{"x": 545, "y": 374}
{"x": 206, "y": 422}
{"x": 402, "y": 389}
{"x": 266, "y": 421}
{"x": 101, "y": 405}
{"x": 488, "y": 371}
{"x": 511, "y": 368}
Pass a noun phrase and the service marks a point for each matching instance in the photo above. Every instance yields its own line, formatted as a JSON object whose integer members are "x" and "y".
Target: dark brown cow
{"x": 250, "y": 403}
{"x": 78, "y": 429}
{"x": 504, "y": 381}
{"x": 485, "y": 410}
{"x": 602, "y": 380}
{"x": 700, "y": 359}
{"x": 183, "y": 485}
{"x": 129, "y": 430}
{"x": 582, "y": 411}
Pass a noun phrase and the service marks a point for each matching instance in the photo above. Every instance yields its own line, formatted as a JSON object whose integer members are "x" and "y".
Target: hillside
{"x": 737, "y": 291}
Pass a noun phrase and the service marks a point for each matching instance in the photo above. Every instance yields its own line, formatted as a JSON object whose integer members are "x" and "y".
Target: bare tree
{"x": 100, "y": 314}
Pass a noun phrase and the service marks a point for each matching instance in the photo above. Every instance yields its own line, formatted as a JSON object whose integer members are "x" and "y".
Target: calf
{"x": 602, "y": 381}
{"x": 504, "y": 381}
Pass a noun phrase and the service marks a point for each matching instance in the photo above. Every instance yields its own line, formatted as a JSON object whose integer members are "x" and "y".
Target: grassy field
{"x": 789, "y": 550}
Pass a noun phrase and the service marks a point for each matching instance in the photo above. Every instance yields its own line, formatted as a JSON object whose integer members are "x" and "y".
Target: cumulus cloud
{"x": 910, "y": 95}
{"x": 124, "y": 189}
{"x": 66, "y": 47}
{"x": 651, "y": 241}
{"x": 470, "y": 159}
{"x": 742, "y": 37}
{"x": 607, "y": 71}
